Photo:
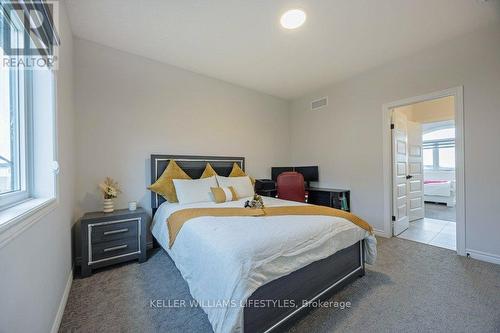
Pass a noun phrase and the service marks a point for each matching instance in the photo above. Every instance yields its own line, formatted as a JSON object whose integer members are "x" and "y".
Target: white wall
{"x": 129, "y": 107}
{"x": 347, "y": 135}
{"x": 35, "y": 266}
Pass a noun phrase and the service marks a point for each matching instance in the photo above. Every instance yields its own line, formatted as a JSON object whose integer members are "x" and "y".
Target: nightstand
{"x": 111, "y": 238}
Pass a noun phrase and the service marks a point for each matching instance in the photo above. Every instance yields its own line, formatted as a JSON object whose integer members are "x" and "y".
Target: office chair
{"x": 290, "y": 186}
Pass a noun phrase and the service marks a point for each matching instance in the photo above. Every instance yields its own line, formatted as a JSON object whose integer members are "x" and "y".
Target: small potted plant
{"x": 110, "y": 190}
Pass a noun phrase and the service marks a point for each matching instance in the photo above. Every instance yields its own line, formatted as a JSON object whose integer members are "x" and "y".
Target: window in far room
{"x": 428, "y": 158}
{"x": 439, "y": 148}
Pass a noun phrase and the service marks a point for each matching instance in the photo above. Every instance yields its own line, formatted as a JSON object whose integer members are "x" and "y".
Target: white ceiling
{"x": 241, "y": 41}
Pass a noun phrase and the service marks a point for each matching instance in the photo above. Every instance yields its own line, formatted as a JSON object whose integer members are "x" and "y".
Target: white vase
{"x": 108, "y": 206}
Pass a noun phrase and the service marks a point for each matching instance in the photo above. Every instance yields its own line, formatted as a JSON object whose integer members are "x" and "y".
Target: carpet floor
{"x": 440, "y": 212}
{"x": 412, "y": 288}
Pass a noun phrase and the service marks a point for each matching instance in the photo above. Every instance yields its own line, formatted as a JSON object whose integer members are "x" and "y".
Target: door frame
{"x": 457, "y": 93}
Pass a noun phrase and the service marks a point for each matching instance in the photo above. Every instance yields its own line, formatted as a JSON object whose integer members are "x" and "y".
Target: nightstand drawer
{"x": 114, "y": 230}
{"x": 112, "y": 249}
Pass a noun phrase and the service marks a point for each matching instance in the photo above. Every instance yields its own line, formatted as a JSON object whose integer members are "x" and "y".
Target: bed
{"x": 262, "y": 272}
{"x": 440, "y": 191}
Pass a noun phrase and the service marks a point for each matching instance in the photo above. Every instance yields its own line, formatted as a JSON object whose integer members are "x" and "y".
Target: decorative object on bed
{"x": 165, "y": 185}
{"x": 110, "y": 190}
{"x": 208, "y": 172}
{"x": 242, "y": 185}
{"x": 194, "y": 190}
{"x": 224, "y": 194}
{"x": 256, "y": 202}
{"x": 237, "y": 172}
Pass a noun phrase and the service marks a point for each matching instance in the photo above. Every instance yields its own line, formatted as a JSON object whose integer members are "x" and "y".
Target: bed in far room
{"x": 254, "y": 273}
{"x": 440, "y": 191}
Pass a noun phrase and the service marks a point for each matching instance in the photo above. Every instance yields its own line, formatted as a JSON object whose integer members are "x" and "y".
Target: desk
{"x": 267, "y": 193}
{"x": 331, "y": 197}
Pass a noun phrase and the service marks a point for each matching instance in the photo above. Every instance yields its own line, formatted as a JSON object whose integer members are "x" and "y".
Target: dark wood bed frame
{"x": 314, "y": 282}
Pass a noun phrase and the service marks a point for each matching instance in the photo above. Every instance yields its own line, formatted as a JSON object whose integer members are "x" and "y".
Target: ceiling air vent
{"x": 319, "y": 103}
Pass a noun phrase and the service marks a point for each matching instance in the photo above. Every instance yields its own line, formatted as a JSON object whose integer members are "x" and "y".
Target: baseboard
{"x": 381, "y": 233}
{"x": 483, "y": 256}
{"x": 62, "y": 304}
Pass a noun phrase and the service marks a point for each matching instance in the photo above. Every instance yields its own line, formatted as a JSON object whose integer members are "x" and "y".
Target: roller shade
{"x": 446, "y": 143}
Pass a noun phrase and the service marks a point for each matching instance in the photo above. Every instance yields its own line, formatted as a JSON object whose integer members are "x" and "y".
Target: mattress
{"x": 437, "y": 188}
{"x": 225, "y": 259}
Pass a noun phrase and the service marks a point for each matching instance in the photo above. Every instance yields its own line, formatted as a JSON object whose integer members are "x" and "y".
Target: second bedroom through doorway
{"x": 429, "y": 130}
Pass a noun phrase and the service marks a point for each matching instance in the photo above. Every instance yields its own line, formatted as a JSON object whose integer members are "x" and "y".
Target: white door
{"x": 415, "y": 172}
{"x": 400, "y": 218}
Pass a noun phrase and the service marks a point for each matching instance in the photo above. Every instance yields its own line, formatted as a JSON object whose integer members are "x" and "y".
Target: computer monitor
{"x": 276, "y": 171}
{"x": 310, "y": 173}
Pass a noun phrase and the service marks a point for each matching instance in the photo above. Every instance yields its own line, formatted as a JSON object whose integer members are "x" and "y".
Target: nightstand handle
{"x": 114, "y": 248}
{"x": 115, "y": 231}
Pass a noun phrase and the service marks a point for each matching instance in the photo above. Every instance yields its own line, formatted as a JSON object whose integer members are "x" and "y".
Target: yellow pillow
{"x": 164, "y": 185}
{"x": 208, "y": 172}
{"x": 237, "y": 172}
{"x": 224, "y": 194}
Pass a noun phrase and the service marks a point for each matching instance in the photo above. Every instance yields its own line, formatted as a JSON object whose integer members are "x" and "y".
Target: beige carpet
{"x": 412, "y": 288}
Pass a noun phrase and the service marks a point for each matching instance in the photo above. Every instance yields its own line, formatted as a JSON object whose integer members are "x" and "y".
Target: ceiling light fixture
{"x": 293, "y": 18}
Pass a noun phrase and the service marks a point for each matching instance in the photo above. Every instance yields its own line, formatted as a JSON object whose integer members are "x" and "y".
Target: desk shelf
{"x": 335, "y": 198}
{"x": 330, "y": 197}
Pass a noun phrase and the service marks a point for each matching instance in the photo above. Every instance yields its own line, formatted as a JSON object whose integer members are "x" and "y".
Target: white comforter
{"x": 225, "y": 259}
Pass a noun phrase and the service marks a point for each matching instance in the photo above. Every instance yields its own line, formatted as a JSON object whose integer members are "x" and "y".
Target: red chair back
{"x": 291, "y": 187}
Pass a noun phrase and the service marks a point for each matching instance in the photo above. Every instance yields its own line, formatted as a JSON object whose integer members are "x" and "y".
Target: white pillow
{"x": 242, "y": 185}
{"x": 194, "y": 190}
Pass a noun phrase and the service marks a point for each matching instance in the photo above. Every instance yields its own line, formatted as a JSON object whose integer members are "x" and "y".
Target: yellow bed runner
{"x": 177, "y": 219}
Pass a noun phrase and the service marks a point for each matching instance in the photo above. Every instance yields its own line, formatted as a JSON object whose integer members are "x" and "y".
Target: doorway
{"x": 424, "y": 179}
{"x": 424, "y": 167}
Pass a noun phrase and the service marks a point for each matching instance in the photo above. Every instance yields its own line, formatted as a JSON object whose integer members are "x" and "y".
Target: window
{"x": 440, "y": 134}
{"x": 447, "y": 158}
{"x": 27, "y": 114}
{"x": 439, "y": 148}
{"x": 428, "y": 158}
{"x": 13, "y": 121}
